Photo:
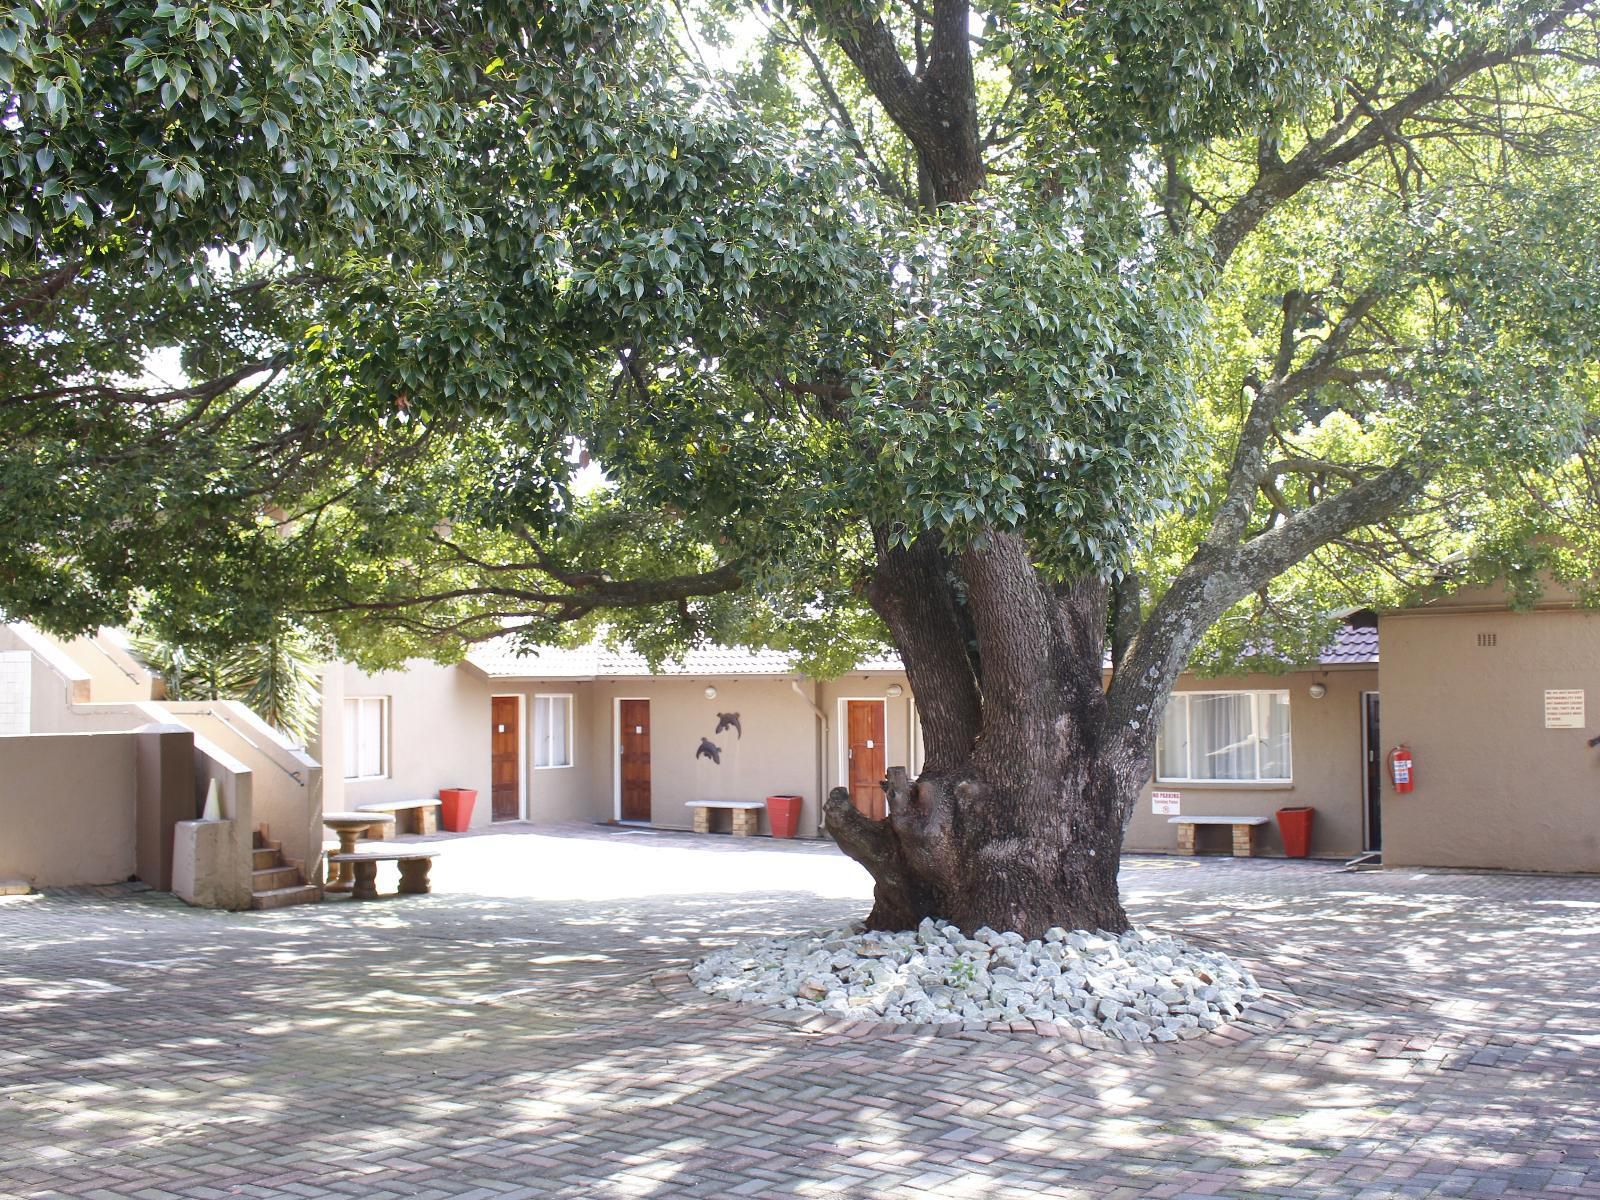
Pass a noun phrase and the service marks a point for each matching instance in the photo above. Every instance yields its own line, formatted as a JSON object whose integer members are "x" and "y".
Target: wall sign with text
{"x": 1563, "y": 708}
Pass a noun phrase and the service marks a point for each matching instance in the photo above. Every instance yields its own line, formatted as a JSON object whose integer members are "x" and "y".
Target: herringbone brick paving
{"x": 517, "y": 1035}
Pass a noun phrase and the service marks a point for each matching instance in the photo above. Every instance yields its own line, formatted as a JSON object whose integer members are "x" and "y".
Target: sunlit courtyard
{"x": 525, "y": 1031}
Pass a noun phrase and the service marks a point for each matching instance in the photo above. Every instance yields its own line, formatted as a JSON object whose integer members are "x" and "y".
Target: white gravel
{"x": 1139, "y": 986}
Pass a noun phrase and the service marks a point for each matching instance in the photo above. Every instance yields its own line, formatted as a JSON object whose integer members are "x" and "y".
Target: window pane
{"x": 352, "y": 739}
{"x": 1275, "y": 742}
{"x": 1172, "y": 743}
{"x": 372, "y": 737}
{"x": 541, "y": 731}
{"x": 1223, "y": 728}
{"x": 560, "y": 724}
{"x": 552, "y": 716}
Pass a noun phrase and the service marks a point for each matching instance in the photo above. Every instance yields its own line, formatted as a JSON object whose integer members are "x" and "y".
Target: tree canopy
{"x": 406, "y": 263}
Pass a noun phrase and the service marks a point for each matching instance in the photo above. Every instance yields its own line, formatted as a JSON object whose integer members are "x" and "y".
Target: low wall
{"x": 68, "y": 808}
{"x": 219, "y": 874}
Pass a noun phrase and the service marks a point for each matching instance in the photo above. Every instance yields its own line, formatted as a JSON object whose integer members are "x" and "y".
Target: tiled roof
{"x": 1352, "y": 644}
{"x": 502, "y": 658}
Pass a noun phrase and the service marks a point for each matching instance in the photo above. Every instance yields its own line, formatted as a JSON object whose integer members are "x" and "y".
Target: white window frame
{"x": 533, "y": 731}
{"x": 1255, "y": 695}
{"x": 353, "y": 729}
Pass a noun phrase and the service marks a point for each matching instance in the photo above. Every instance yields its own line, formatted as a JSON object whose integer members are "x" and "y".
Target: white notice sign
{"x": 1563, "y": 709}
{"x": 1165, "y": 804}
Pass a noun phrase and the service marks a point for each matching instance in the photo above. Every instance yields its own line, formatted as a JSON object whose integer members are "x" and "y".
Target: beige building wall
{"x": 776, "y": 755}
{"x": 68, "y": 808}
{"x": 440, "y": 736}
{"x": 566, "y": 793}
{"x": 1464, "y": 687}
{"x": 1326, "y": 764}
{"x": 437, "y": 735}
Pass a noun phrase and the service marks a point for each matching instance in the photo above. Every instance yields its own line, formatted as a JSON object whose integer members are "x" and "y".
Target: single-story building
{"x": 592, "y": 734}
{"x": 1491, "y": 703}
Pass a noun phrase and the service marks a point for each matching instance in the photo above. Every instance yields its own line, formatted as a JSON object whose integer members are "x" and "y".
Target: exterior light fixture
{"x": 1318, "y": 690}
{"x": 894, "y": 691}
{"x": 711, "y": 693}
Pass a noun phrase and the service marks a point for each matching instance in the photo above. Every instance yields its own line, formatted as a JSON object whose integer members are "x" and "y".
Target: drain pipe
{"x": 822, "y": 754}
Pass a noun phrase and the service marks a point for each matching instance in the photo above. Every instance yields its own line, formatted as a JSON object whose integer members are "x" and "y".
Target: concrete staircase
{"x": 275, "y": 883}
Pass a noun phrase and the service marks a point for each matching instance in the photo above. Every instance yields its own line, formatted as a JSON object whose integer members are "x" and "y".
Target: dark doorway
{"x": 1372, "y": 744}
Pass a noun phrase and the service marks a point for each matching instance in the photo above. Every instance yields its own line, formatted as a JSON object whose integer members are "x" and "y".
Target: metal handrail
{"x": 226, "y": 720}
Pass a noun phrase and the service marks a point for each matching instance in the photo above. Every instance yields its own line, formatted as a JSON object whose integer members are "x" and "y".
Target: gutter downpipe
{"x": 822, "y": 755}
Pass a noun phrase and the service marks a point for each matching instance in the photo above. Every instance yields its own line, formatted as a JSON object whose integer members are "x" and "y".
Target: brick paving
{"x": 520, "y": 1033}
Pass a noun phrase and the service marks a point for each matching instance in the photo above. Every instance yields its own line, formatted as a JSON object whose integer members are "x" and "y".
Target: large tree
{"x": 1023, "y": 335}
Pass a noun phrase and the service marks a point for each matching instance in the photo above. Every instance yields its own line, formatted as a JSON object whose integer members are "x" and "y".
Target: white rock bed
{"x": 1139, "y": 987}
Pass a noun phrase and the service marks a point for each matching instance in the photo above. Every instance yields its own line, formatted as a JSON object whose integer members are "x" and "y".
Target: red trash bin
{"x": 783, "y": 815}
{"x": 455, "y": 808}
{"x": 1294, "y": 824}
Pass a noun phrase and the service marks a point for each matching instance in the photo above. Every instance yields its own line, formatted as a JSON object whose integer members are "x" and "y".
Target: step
{"x": 261, "y": 859}
{"x": 276, "y": 876}
{"x": 305, "y": 893}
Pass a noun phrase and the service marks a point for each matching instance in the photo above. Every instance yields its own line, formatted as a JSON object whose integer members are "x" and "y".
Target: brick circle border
{"x": 1266, "y": 1014}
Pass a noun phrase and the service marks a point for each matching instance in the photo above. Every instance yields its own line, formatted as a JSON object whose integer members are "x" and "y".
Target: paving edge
{"x": 1267, "y": 1014}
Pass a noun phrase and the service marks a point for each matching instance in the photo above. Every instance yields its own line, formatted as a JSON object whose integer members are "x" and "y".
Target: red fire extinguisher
{"x": 1401, "y": 769}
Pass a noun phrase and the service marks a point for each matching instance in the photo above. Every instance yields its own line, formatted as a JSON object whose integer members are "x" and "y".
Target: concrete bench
{"x": 414, "y": 865}
{"x": 1244, "y": 832}
{"x": 411, "y": 816}
{"x": 746, "y": 814}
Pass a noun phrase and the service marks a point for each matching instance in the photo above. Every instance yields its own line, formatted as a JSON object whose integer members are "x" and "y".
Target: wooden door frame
{"x": 844, "y": 735}
{"x": 522, "y": 752}
{"x": 616, "y": 755}
{"x": 915, "y": 750}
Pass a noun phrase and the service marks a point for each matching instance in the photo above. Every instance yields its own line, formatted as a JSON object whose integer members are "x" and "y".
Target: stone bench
{"x": 411, "y": 816}
{"x": 414, "y": 866}
{"x": 746, "y": 814}
{"x": 1244, "y": 832}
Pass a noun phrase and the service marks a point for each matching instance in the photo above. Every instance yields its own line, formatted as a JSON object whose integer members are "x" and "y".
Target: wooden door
{"x": 633, "y": 736}
{"x": 505, "y": 755}
{"x": 864, "y": 742}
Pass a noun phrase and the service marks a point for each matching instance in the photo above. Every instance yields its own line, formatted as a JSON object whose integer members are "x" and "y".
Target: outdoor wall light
{"x": 894, "y": 691}
{"x": 711, "y": 693}
{"x": 1319, "y": 690}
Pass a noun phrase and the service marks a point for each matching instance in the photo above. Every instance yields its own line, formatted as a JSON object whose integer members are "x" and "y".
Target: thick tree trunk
{"x": 957, "y": 849}
{"x": 1016, "y": 822}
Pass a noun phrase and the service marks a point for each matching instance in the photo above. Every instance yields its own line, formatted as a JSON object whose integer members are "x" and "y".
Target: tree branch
{"x": 1339, "y": 146}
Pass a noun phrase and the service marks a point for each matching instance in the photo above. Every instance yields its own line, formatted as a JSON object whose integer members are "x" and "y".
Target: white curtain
{"x": 1172, "y": 745}
{"x": 1275, "y": 762}
{"x": 363, "y": 738}
{"x": 1223, "y": 728}
{"x": 552, "y": 719}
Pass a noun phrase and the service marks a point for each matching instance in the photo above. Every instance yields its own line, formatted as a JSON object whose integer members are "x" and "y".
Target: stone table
{"x": 349, "y": 826}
